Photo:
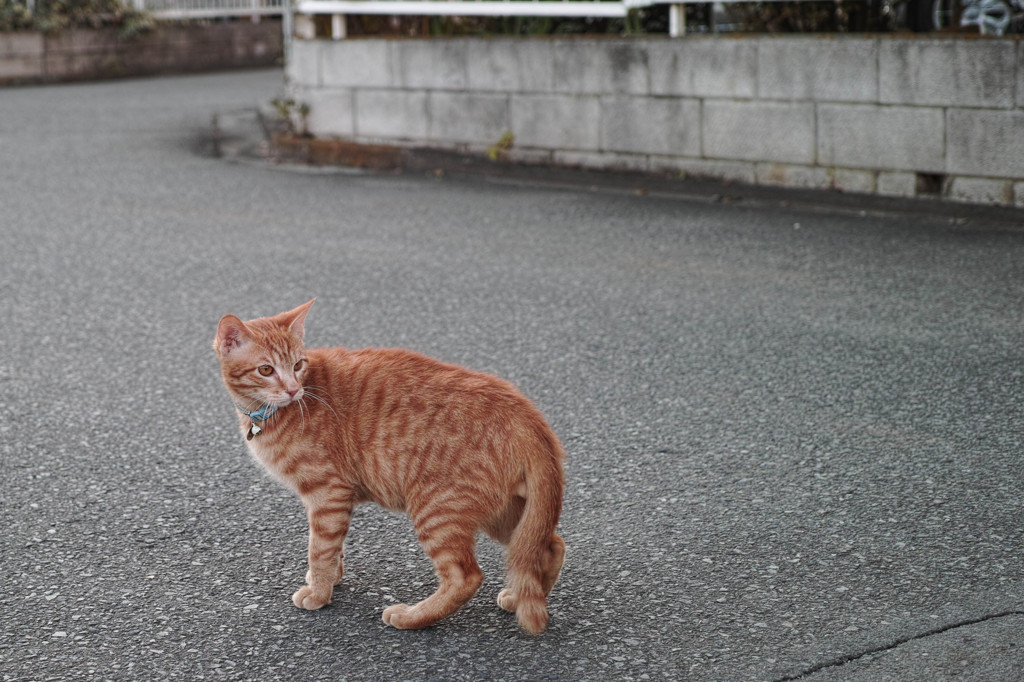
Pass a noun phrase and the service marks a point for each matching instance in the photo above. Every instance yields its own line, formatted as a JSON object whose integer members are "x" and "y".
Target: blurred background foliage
{"x": 53, "y": 15}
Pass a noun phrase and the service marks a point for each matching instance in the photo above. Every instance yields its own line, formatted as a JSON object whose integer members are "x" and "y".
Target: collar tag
{"x": 253, "y": 432}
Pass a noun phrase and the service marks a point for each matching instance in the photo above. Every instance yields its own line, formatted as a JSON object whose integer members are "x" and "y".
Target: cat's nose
{"x": 291, "y": 392}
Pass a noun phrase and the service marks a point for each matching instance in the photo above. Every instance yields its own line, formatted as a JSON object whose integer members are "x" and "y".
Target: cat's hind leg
{"x": 535, "y": 555}
{"x": 553, "y": 558}
{"x": 451, "y": 551}
{"x": 501, "y": 529}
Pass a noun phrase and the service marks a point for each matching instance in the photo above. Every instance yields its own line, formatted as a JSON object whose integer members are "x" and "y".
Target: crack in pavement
{"x": 849, "y": 658}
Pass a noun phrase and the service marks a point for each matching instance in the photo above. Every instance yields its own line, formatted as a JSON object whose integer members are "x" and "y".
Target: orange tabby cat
{"x": 458, "y": 450}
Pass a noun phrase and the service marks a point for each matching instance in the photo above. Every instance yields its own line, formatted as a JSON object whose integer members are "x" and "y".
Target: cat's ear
{"x": 232, "y": 334}
{"x": 295, "y": 320}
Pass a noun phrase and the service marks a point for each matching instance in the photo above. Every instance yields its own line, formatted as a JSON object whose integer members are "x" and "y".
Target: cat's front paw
{"x": 310, "y": 599}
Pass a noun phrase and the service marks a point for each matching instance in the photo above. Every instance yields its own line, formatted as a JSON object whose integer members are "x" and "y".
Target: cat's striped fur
{"x": 459, "y": 451}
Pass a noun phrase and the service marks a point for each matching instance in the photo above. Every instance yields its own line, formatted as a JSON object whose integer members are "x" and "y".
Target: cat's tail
{"x": 535, "y": 552}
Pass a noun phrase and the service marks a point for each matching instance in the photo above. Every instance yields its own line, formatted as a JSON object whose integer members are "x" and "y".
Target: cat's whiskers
{"x": 302, "y": 411}
{"x": 313, "y": 392}
{"x": 322, "y": 401}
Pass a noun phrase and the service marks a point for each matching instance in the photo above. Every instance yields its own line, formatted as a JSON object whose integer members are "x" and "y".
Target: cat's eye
{"x": 299, "y": 364}
{"x": 265, "y": 370}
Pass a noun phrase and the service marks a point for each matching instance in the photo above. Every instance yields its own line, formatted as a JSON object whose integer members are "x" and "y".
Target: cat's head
{"x": 262, "y": 361}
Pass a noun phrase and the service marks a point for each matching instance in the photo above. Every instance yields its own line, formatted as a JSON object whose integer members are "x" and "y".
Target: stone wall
{"x": 85, "y": 54}
{"x": 884, "y": 114}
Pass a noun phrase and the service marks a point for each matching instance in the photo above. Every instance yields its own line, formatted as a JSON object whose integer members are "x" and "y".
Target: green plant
{"x": 501, "y": 147}
{"x": 304, "y": 110}
{"x": 287, "y": 111}
{"x": 283, "y": 108}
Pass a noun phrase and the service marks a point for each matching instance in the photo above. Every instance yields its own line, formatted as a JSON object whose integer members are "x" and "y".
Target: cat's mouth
{"x": 289, "y": 399}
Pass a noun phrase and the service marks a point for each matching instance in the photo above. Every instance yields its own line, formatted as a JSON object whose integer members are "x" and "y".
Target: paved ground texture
{"x": 793, "y": 426}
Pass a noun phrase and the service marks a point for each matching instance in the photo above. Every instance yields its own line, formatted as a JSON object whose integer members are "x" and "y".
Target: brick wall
{"x": 885, "y": 115}
{"x": 83, "y": 54}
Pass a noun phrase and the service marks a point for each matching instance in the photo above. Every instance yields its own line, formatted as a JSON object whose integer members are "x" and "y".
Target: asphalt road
{"x": 793, "y": 428}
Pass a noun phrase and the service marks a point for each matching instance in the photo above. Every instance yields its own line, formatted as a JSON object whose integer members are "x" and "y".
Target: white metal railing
{"x": 489, "y": 8}
{"x": 475, "y": 8}
{"x": 200, "y": 9}
{"x": 209, "y": 9}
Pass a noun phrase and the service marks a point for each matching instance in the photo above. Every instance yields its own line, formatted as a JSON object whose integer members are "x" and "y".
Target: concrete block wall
{"x": 882, "y": 114}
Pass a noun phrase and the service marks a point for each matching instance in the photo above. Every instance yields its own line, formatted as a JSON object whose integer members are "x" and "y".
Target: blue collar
{"x": 262, "y": 414}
